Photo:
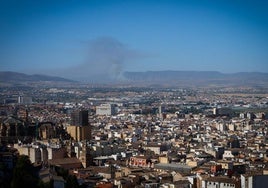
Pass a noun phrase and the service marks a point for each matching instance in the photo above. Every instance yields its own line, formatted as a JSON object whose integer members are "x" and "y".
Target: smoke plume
{"x": 106, "y": 58}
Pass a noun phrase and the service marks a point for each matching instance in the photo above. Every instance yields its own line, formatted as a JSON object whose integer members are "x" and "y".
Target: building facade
{"x": 106, "y": 109}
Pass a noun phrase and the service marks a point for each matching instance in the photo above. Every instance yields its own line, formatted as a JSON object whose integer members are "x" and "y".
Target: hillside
{"x": 198, "y": 78}
{"x": 15, "y": 77}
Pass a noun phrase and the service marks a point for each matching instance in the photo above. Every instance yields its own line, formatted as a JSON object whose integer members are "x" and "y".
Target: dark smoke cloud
{"x": 105, "y": 61}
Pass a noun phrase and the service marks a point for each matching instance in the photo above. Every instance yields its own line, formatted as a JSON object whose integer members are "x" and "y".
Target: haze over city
{"x": 85, "y": 39}
{"x": 134, "y": 93}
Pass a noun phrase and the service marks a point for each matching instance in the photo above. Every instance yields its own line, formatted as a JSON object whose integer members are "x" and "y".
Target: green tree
{"x": 24, "y": 174}
{"x": 5, "y": 178}
{"x": 71, "y": 182}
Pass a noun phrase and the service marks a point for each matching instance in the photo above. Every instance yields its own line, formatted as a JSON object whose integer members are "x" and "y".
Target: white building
{"x": 254, "y": 181}
{"x": 24, "y": 100}
{"x": 106, "y": 109}
{"x": 219, "y": 182}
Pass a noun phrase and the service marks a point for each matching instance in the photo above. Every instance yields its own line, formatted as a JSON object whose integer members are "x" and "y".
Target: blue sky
{"x": 64, "y": 38}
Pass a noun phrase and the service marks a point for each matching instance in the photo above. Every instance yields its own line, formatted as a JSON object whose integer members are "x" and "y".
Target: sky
{"x": 80, "y": 39}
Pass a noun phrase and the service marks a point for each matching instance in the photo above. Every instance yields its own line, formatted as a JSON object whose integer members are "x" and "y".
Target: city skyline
{"x": 106, "y": 38}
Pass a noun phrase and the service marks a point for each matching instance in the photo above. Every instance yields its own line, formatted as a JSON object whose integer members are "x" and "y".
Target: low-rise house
{"x": 219, "y": 182}
{"x": 183, "y": 169}
{"x": 140, "y": 161}
{"x": 66, "y": 163}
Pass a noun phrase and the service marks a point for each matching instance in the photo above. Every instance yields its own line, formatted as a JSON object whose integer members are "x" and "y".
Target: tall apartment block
{"x": 79, "y": 128}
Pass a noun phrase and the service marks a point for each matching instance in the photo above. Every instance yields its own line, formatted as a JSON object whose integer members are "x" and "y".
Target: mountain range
{"x": 15, "y": 77}
{"x": 199, "y": 78}
{"x": 161, "y": 78}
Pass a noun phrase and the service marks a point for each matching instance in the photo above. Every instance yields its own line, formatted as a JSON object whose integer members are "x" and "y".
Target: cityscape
{"x": 134, "y": 94}
{"x": 125, "y": 136}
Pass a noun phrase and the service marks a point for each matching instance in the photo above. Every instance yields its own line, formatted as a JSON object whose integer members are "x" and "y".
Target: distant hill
{"x": 15, "y": 77}
{"x": 152, "y": 78}
{"x": 198, "y": 78}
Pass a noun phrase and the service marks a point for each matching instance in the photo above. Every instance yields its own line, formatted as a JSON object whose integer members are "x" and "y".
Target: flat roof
{"x": 176, "y": 165}
{"x": 173, "y": 167}
{"x": 64, "y": 161}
